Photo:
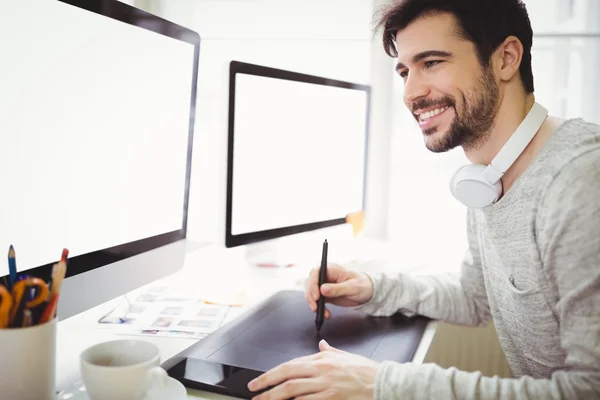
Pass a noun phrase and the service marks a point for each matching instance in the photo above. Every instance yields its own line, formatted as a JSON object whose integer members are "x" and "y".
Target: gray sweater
{"x": 533, "y": 266}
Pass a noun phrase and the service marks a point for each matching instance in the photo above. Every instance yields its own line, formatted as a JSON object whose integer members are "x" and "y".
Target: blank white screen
{"x": 94, "y": 117}
{"x": 299, "y": 153}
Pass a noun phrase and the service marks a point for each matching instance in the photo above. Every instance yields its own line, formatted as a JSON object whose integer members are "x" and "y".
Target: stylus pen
{"x": 322, "y": 280}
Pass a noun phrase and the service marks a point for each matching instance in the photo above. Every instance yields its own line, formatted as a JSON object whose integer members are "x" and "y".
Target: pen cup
{"x": 28, "y": 362}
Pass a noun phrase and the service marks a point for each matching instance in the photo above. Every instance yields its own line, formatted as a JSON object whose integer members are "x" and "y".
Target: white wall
{"x": 329, "y": 38}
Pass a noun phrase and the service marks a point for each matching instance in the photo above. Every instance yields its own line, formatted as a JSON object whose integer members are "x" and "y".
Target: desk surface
{"x": 205, "y": 267}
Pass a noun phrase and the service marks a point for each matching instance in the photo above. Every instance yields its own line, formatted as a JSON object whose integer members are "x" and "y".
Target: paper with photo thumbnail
{"x": 164, "y": 312}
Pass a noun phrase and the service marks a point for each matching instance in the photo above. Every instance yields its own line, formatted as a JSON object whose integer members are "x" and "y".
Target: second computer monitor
{"x": 297, "y": 152}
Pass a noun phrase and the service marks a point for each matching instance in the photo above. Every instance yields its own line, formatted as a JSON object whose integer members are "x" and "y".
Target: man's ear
{"x": 507, "y": 58}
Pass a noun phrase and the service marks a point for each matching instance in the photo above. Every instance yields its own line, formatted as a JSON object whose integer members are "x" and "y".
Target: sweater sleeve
{"x": 455, "y": 299}
{"x": 569, "y": 243}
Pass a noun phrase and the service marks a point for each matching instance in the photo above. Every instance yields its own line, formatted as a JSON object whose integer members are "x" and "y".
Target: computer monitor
{"x": 96, "y": 120}
{"x": 297, "y": 152}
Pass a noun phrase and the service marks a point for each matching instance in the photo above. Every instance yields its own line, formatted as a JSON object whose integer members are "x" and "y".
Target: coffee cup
{"x": 121, "y": 370}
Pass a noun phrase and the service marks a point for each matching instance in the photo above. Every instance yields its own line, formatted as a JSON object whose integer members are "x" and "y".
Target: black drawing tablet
{"x": 282, "y": 328}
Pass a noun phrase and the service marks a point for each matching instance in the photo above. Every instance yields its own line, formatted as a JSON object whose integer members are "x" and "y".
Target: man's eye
{"x": 432, "y": 63}
{"x": 403, "y": 74}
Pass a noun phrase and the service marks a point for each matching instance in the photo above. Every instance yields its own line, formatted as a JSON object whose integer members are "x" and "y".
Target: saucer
{"x": 173, "y": 391}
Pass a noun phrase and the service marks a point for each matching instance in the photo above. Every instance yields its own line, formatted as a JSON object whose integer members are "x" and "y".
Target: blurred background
{"x": 408, "y": 197}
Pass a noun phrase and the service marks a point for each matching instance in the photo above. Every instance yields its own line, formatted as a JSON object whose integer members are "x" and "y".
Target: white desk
{"x": 206, "y": 268}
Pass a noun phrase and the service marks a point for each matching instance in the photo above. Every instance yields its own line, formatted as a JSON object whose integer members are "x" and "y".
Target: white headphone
{"x": 478, "y": 186}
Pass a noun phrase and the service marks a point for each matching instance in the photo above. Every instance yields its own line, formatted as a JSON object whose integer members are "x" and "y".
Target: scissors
{"x": 6, "y": 303}
{"x": 21, "y": 301}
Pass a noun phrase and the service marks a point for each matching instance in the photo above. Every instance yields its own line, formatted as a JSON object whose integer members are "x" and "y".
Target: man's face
{"x": 452, "y": 97}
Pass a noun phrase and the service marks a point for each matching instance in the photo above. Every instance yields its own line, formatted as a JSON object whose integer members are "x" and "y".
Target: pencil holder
{"x": 28, "y": 362}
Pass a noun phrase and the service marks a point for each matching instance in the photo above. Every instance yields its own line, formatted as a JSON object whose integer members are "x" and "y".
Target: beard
{"x": 471, "y": 128}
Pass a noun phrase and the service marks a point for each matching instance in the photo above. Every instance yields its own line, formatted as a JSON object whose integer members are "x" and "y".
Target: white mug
{"x": 121, "y": 369}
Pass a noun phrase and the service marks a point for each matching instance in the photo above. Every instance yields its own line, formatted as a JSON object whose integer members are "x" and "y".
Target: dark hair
{"x": 486, "y": 23}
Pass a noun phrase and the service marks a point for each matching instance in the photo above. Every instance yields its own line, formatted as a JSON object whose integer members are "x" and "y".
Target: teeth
{"x": 426, "y": 115}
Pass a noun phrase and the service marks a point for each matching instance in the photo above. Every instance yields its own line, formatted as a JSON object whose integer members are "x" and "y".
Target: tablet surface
{"x": 282, "y": 328}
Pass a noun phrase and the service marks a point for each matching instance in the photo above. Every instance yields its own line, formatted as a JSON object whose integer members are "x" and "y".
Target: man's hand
{"x": 344, "y": 288}
{"x": 329, "y": 374}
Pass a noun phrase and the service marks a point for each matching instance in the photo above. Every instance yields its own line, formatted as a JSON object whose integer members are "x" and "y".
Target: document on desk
{"x": 165, "y": 311}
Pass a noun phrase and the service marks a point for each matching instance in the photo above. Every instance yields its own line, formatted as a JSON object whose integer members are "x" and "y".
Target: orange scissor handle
{"x": 6, "y": 303}
{"x": 41, "y": 294}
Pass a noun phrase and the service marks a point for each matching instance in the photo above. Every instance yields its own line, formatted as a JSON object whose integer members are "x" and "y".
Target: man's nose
{"x": 414, "y": 88}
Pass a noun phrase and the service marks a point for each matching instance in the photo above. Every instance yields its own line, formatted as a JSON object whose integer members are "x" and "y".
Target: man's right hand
{"x": 343, "y": 288}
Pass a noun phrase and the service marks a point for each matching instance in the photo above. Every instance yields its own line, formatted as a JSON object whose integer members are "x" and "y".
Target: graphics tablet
{"x": 282, "y": 328}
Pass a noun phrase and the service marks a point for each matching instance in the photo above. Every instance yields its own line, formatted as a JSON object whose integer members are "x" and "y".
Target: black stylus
{"x": 322, "y": 280}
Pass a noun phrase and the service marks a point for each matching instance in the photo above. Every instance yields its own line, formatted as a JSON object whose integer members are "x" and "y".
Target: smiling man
{"x": 533, "y": 260}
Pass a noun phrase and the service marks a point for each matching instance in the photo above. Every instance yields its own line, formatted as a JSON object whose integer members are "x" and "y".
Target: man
{"x": 533, "y": 265}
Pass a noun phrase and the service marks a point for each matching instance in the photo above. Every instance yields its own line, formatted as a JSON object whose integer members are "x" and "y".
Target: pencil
{"x": 58, "y": 274}
{"x": 12, "y": 266}
{"x": 64, "y": 255}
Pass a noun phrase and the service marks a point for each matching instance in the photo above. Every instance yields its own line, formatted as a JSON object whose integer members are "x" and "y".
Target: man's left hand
{"x": 328, "y": 374}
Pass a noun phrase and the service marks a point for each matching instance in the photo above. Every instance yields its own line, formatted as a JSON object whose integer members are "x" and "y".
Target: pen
{"x": 322, "y": 280}
{"x": 12, "y": 266}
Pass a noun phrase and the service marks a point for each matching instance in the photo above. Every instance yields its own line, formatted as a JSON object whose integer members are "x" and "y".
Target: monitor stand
{"x": 269, "y": 254}
{"x": 304, "y": 249}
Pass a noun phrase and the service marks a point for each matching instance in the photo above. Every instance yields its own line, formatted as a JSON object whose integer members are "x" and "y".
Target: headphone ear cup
{"x": 454, "y": 179}
{"x": 470, "y": 187}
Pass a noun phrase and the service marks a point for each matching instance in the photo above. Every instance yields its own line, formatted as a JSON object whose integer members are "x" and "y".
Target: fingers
{"x": 335, "y": 274}
{"x": 309, "y": 294}
{"x": 347, "y": 288}
{"x": 324, "y": 346}
{"x": 327, "y": 312}
{"x": 340, "y": 284}
{"x": 293, "y": 388}
{"x": 295, "y": 369}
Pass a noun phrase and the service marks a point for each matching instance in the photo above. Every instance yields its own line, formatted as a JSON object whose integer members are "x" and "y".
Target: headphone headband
{"x": 479, "y": 186}
{"x": 516, "y": 143}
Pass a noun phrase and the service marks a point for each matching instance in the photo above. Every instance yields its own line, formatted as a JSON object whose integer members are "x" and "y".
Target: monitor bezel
{"x": 125, "y": 13}
{"x": 239, "y": 67}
